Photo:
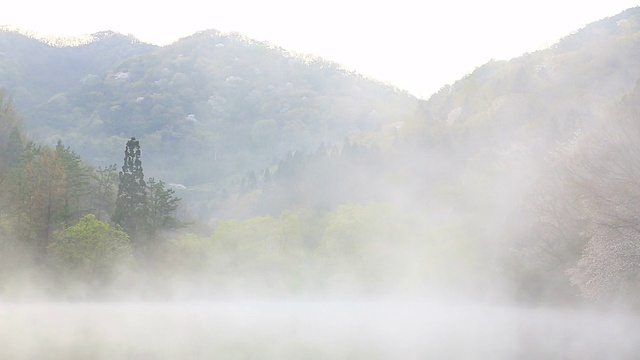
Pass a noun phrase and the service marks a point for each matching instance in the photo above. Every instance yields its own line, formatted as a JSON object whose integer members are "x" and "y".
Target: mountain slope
{"x": 33, "y": 71}
{"x": 546, "y": 95}
{"x": 207, "y": 108}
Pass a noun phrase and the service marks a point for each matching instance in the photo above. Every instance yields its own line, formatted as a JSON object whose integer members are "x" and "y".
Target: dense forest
{"x": 283, "y": 173}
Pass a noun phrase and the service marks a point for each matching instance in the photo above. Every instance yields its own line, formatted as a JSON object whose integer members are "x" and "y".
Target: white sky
{"x": 416, "y": 45}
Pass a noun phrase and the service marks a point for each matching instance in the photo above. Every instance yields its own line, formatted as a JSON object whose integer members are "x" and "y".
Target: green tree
{"x": 161, "y": 207}
{"x": 14, "y": 148}
{"x": 11, "y": 142}
{"x": 37, "y": 189}
{"x": 104, "y": 187}
{"x": 9, "y": 118}
{"x": 89, "y": 251}
{"x": 131, "y": 199}
{"x": 10, "y": 155}
{"x": 77, "y": 189}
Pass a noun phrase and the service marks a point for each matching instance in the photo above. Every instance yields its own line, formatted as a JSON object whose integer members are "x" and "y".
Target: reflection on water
{"x": 311, "y": 330}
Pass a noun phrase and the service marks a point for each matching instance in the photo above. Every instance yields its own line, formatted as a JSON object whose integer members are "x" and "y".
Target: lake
{"x": 319, "y": 329}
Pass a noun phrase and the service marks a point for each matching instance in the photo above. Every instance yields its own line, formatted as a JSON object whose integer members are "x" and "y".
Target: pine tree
{"x": 131, "y": 200}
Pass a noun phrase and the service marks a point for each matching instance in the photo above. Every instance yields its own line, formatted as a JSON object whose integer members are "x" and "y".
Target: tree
{"x": 11, "y": 140}
{"x": 142, "y": 208}
{"x": 597, "y": 206}
{"x": 104, "y": 190}
{"x": 131, "y": 200}
{"x": 10, "y": 155}
{"x": 553, "y": 240}
{"x": 89, "y": 251}
{"x": 12, "y": 152}
{"x": 37, "y": 189}
{"x": 606, "y": 174}
{"x": 9, "y": 118}
{"x": 161, "y": 207}
{"x": 77, "y": 190}
{"x": 610, "y": 265}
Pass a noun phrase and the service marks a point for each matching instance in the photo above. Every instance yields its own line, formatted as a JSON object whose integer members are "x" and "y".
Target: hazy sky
{"x": 417, "y": 45}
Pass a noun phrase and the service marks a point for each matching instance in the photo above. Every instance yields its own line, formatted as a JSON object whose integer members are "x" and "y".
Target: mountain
{"x": 523, "y": 167}
{"x": 32, "y": 71}
{"x": 213, "y": 107}
{"x": 207, "y": 108}
{"x": 509, "y": 181}
{"x": 542, "y": 159}
{"x": 542, "y": 96}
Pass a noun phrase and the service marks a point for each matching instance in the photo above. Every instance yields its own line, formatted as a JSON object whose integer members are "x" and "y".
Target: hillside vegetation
{"x": 518, "y": 181}
{"x": 209, "y": 107}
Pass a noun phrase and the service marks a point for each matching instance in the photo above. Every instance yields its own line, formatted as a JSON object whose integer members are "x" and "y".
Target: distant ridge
{"x": 68, "y": 41}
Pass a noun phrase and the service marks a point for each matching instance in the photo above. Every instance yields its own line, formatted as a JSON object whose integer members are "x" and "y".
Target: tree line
{"x": 61, "y": 214}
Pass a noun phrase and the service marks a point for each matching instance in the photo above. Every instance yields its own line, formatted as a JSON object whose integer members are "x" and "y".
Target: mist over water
{"x": 296, "y": 329}
{"x": 324, "y": 216}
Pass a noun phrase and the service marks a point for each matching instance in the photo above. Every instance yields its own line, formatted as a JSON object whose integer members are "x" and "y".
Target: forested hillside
{"x": 33, "y": 71}
{"x": 209, "y": 108}
{"x": 517, "y": 181}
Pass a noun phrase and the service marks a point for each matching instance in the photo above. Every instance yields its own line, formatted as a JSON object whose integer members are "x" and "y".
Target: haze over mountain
{"x": 233, "y": 102}
{"x": 499, "y": 216}
{"x": 286, "y": 161}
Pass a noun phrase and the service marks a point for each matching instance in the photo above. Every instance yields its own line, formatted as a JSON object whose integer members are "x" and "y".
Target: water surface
{"x": 311, "y": 330}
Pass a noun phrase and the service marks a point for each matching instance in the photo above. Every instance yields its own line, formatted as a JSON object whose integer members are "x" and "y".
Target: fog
{"x": 312, "y": 329}
{"x": 309, "y": 212}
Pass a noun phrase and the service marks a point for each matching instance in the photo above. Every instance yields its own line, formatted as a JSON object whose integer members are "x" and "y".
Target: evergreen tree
{"x": 77, "y": 185}
{"x": 12, "y": 152}
{"x": 131, "y": 199}
{"x": 161, "y": 206}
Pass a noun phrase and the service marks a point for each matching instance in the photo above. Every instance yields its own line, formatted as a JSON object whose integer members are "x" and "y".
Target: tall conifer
{"x": 131, "y": 199}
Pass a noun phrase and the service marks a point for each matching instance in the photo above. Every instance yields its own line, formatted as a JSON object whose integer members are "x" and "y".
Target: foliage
{"x": 104, "y": 190}
{"x": 357, "y": 247}
{"x": 610, "y": 265}
{"x": 90, "y": 251}
{"x": 213, "y": 98}
{"x": 161, "y": 206}
{"x": 418, "y": 192}
{"x": 538, "y": 98}
{"x": 589, "y": 213}
{"x": 607, "y": 178}
{"x": 143, "y": 209}
{"x": 38, "y": 196}
{"x": 10, "y": 120}
{"x": 12, "y": 151}
{"x": 25, "y": 70}
{"x": 77, "y": 191}
{"x": 43, "y": 189}
{"x": 131, "y": 202}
